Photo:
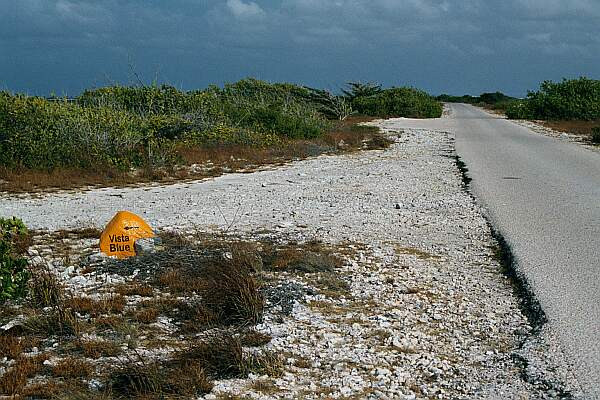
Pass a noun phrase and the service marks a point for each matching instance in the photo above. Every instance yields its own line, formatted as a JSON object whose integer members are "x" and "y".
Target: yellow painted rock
{"x": 120, "y": 234}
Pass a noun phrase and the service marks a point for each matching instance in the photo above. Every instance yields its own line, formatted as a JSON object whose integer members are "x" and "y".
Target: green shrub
{"x": 13, "y": 268}
{"x": 575, "y": 99}
{"x": 143, "y": 100}
{"x": 280, "y": 108}
{"x": 596, "y": 135}
{"x": 399, "y": 102}
{"x": 519, "y": 109}
{"x": 41, "y": 134}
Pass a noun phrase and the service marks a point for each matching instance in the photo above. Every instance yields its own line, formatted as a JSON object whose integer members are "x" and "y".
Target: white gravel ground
{"x": 430, "y": 316}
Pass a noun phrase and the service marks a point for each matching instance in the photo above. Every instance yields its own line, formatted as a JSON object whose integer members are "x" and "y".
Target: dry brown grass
{"x": 173, "y": 239}
{"x": 152, "y": 380}
{"x": 232, "y": 294}
{"x": 301, "y": 362}
{"x": 72, "y": 368}
{"x": 146, "y": 316}
{"x": 99, "y": 348}
{"x": 113, "y": 304}
{"x": 58, "y": 321}
{"x": 309, "y": 257}
{"x": 177, "y": 281}
{"x": 579, "y": 128}
{"x": 423, "y": 255}
{"x": 27, "y": 180}
{"x": 109, "y": 321}
{"x": 15, "y": 379}
{"x": 221, "y": 356}
{"x": 22, "y": 242}
{"x": 11, "y": 346}
{"x": 225, "y": 276}
{"x": 356, "y": 137}
{"x": 332, "y": 285}
{"x": 44, "y": 390}
{"x": 196, "y": 318}
{"x": 267, "y": 363}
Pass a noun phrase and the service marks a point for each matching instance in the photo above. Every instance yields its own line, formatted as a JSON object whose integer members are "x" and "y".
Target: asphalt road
{"x": 543, "y": 195}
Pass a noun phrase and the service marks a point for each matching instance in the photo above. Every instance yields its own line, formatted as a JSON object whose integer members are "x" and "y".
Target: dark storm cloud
{"x": 441, "y": 45}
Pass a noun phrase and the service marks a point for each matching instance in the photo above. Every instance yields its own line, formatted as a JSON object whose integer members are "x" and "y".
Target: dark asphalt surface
{"x": 543, "y": 195}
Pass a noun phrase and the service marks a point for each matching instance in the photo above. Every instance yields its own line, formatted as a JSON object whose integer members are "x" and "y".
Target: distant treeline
{"x": 484, "y": 98}
{"x": 124, "y": 127}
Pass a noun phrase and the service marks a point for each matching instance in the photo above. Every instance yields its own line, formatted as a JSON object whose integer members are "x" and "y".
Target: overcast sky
{"x": 454, "y": 46}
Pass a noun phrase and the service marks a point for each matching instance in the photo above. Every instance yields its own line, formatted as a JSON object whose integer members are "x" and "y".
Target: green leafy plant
{"x": 13, "y": 268}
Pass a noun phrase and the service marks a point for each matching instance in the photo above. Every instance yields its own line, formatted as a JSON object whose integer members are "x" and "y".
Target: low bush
{"x": 40, "y": 134}
{"x": 519, "y": 110}
{"x": 232, "y": 294}
{"x": 399, "y": 102}
{"x": 283, "y": 109}
{"x": 13, "y": 267}
{"x": 574, "y": 99}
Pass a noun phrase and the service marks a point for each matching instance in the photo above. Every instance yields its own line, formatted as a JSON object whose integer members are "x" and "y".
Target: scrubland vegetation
{"x": 177, "y": 320}
{"x": 154, "y": 129}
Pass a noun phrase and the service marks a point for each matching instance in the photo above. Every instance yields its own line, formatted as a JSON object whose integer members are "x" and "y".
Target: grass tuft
{"x": 99, "y": 348}
{"x": 152, "y": 380}
{"x": 114, "y": 304}
{"x": 72, "y": 368}
{"x": 44, "y": 290}
{"x": 232, "y": 294}
{"x": 221, "y": 356}
{"x": 58, "y": 321}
